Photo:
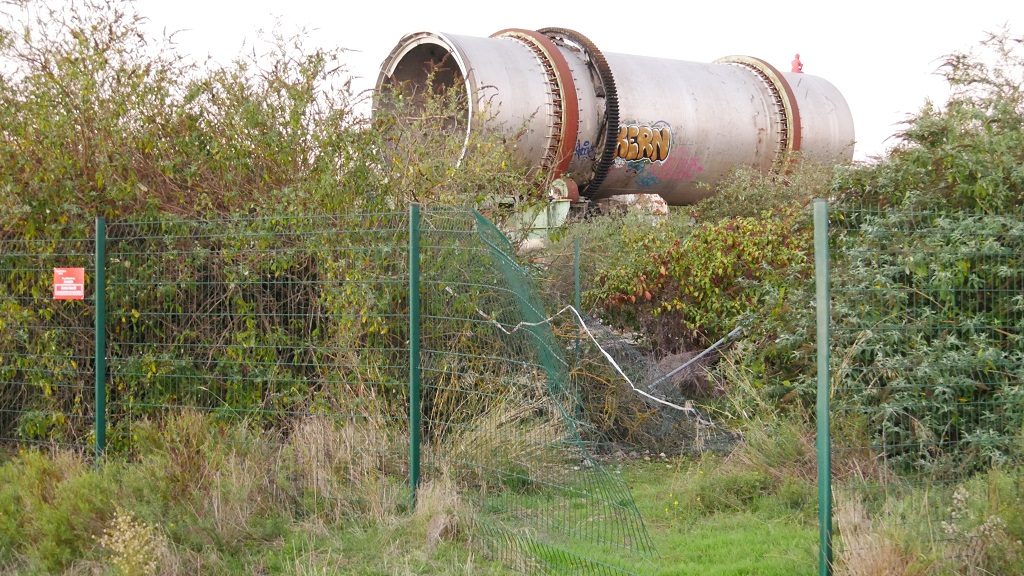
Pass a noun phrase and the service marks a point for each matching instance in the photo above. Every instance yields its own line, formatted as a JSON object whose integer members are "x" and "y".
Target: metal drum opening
{"x": 424, "y": 76}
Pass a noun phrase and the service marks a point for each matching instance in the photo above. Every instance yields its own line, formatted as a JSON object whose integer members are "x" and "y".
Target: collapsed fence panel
{"x": 501, "y": 417}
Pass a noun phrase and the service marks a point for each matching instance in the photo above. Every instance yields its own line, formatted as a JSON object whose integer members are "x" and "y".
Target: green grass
{"x": 768, "y": 539}
{"x": 765, "y": 535}
{"x": 57, "y": 508}
{"x": 242, "y": 509}
{"x": 372, "y": 550}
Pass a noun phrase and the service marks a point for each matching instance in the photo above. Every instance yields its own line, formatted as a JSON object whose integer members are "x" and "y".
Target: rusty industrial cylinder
{"x": 613, "y": 124}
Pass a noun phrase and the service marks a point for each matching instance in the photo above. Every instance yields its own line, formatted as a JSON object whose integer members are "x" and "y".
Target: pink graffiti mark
{"x": 680, "y": 166}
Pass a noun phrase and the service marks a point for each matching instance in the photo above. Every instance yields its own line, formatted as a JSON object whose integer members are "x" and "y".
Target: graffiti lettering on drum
{"x": 644, "y": 142}
{"x": 585, "y": 150}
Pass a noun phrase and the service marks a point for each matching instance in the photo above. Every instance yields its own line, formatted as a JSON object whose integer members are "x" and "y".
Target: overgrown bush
{"x": 928, "y": 265}
{"x": 747, "y": 193}
{"x": 966, "y": 154}
{"x": 686, "y": 293}
{"x": 927, "y": 318}
{"x": 273, "y": 305}
{"x": 98, "y": 119}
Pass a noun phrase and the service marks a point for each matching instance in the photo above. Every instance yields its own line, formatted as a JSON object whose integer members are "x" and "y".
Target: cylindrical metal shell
{"x": 827, "y": 122}
{"x": 718, "y": 117}
{"x": 622, "y": 124}
{"x": 506, "y": 87}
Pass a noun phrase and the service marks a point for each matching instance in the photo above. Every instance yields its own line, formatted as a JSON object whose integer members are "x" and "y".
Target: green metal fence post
{"x": 824, "y": 443}
{"x": 577, "y": 297}
{"x": 100, "y": 336}
{"x": 414, "y": 350}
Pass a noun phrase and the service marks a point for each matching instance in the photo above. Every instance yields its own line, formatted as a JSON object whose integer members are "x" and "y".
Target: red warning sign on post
{"x": 69, "y": 283}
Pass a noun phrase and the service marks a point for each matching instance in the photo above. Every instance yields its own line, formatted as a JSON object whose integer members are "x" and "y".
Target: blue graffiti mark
{"x": 637, "y": 166}
{"x": 646, "y": 180}
{"x": 585, "y": 150}
{"x": 642, "y": 177}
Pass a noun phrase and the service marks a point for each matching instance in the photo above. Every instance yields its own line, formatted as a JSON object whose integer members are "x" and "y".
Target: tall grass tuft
{"x": 350, "y": 468}
{"x": 442, "y": 510}
{"x": 511, "y": 443}
{"x": 866, "y": 548}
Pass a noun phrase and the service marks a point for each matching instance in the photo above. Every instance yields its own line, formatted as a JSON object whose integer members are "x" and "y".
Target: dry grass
{"x": 513, "y": 441}
{"x": 241, "y": 489}
{"x": 440, "y": 506}
{"x": 181, "y": 441}
{"x": 226, "y": 476}
{"x": 350, "y": 467}
{"x": 865, "y": 548}
{"x": 745, "y": 399}
{"x": 308, "y": 560}
{"x": 781, "y": 449}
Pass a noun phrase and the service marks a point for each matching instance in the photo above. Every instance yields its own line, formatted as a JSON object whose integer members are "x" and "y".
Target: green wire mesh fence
{"x": 927, "y": 357}
{"x": 46, "y": 346}
{"x": 300, "y": 327}
{"x": 265, "y": 320}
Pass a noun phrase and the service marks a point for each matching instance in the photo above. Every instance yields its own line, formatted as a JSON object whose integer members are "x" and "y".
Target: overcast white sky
{"x": 882, "y": 55}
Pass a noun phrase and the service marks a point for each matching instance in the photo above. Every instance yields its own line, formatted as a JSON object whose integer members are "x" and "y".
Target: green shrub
{"x": 57, "y": 506}
{"x": 929, "y": 329}
{"x": 927, "y": 265}
{"x": 747, "y": 193}
{"x": 967, "y": 154}
{"x": 686, "y": 293}
{"x": 728, "y": 489}
{"x": 98, "y": 120}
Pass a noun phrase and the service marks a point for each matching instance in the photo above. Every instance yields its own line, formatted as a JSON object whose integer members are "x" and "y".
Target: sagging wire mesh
{"x": 46, "y": 345}
{"x": 267, "y": 319}
{"x": 501, "y": 413}
{"x": 927, "y": 361}
{"x": 633, "y": 395}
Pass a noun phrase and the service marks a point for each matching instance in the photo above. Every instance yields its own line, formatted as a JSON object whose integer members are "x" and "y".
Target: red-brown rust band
{"x": 791, "y": 108}
{"x": 786, "y": 99}
{"x": 566, "y": 86}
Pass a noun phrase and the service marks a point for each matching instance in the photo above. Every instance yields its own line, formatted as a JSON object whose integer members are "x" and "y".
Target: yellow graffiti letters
{"x": 629, "y": 148}
{"x": 644, "y": 143}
